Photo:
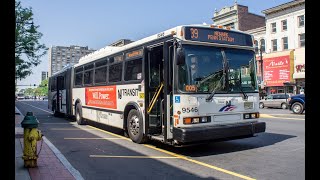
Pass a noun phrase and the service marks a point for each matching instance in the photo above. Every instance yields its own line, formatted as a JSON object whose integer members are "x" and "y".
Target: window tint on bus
{"x": 115, "y": 72}
{"x": 101, "y": 63}
{"x": 100, "y": 75}
{"x": 90, "y": 66}
{"x": 61, "y": 83}
{"x": 111, "y": 60}
{"x": 133, "y": 70}
{"x": 88, "y": 77}
{"x": 78, "y": 81}
{"x": 53, "y": 84}
{"x": 78, "y": 69}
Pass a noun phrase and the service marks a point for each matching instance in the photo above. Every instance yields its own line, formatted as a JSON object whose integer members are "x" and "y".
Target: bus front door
{"x": 154, "y": 90}
{"x": 61, "y": 95}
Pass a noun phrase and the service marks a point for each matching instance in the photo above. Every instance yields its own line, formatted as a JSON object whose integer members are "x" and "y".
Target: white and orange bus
{"x": 188, "y": 84}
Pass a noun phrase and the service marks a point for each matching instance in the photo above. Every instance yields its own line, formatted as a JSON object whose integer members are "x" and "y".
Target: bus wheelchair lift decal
{"x": 177, "y": 99}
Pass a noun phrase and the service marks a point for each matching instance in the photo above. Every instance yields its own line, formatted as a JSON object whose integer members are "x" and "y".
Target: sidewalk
{"x": 49, "y": 165}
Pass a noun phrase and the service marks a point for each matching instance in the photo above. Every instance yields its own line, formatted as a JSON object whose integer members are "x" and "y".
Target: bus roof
{"x": 109, "y": 50}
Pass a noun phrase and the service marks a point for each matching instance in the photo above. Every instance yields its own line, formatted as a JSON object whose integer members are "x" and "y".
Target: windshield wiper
{"x": 202, "y": 80}
{"x": 224, "y": 76}
{"x": 238, "y": 84}
{"x": 214, "y": 90}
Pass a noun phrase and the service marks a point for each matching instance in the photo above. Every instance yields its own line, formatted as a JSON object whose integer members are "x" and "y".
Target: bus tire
{"x": 135, "y": 127}
{"x": 79, "y": 117}
{"x": 55, "y": 113}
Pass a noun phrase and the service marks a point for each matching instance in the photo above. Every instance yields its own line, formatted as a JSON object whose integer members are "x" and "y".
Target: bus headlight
{"x": 246, "y": 116}
{"x": 253, "y": 115}
{"x": 196, "y": 120}
{"x": 250, "y": 115}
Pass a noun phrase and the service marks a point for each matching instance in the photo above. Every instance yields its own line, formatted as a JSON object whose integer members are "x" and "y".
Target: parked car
{"x": 297, "y": 104}
{"x": 44, "y": 97}
{"x": 20, "y": 96}
{"x": 276, "y": 101}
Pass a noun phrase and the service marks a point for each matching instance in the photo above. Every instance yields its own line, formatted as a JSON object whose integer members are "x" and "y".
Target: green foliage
{"x": 26, "y": 42}
{"x": 29, "y": 92}
{"x": 43, "y": 88}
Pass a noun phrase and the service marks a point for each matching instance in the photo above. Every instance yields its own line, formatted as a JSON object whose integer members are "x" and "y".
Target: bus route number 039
{"x": 188, "y": 110}
{"x": 194, "y": 33}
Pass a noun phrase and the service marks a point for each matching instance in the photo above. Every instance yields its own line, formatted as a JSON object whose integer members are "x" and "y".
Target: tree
{"x": 26, "y": 42}
{"x": 43, "y": 88}
{"x": 29, "y": 91}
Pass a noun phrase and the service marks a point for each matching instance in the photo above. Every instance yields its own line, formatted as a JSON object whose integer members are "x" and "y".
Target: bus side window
{"x": 133, "y": 70}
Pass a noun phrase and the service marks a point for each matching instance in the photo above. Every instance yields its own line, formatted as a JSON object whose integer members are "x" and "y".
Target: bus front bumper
{"x": 211, "y": 133}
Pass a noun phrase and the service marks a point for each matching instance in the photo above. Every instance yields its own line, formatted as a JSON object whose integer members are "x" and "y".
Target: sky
{"x": 98, "y": 23}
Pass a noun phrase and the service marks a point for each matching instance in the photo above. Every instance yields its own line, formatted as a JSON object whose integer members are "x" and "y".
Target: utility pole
{"x": 261, "y": 63}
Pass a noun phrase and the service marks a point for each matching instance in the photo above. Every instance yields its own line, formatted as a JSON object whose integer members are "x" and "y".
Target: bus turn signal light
{"x": 186, "y": 120}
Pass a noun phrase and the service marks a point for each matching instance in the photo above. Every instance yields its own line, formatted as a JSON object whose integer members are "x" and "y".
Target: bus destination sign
{"x": 220, "y": 36}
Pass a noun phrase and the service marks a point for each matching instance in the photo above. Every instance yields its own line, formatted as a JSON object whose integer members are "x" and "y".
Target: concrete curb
{"x": 75, "y": 173}
{"x": 21, "y": 173}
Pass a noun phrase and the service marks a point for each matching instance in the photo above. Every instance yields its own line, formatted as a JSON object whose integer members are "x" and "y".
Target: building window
{"x": 274, "y": 44}
{"x": 263, "y": 45}
{"x": 256, "y": 45}
{"x": 231, "y": 25}
{"x": 301, "y": 40}
{"x": 301, "y": 20}
{"x": 285, "y": 43}
{"x": 273, "y": 28}
{"x": 284, "y": 25}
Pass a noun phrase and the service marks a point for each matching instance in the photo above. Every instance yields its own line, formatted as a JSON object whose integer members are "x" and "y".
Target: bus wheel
{"x": 135, "y": 127}
{"x": 79, "y": 118}
{"x": 55, "y": 113}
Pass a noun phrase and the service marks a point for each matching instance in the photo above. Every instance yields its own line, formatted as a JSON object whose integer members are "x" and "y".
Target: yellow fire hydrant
{"x": 31, "y": 135}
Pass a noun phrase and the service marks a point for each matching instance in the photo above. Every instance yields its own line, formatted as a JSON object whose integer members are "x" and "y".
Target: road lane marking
{"x": 181, "y": 157}
{"x": 135, "y": 157}
{"x": 266, "y": 116}
{"x": 37, "y": 108}
{"x": 286, "y": 114}
{"x": 274, "y": 117}
{"x": 68, "y": 129}
{"x": 200, "y": 163}
{"x": 121, "y": 137}
{"x": 55, "y": 123}
{"x": 89, "y": 138}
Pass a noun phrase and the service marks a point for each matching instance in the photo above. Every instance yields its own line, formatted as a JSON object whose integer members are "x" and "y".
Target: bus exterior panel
{"x": 106, "y": 104}
{"x": 223, "y": 117}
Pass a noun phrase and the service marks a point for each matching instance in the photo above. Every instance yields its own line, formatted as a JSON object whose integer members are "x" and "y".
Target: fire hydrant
{"x": 31, "y": 135}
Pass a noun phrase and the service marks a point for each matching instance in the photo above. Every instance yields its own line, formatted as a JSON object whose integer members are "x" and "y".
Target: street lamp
{"x": 259, "y": 50}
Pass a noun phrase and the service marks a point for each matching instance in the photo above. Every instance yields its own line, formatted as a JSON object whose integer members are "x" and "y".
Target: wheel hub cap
{"x": 134, "y": 125}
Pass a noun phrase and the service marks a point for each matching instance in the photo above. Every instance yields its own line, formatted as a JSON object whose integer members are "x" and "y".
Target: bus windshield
{"x": 223, "y": 70}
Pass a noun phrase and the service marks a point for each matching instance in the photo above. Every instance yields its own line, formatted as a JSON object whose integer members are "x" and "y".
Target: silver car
{"x": 276, "y": 101}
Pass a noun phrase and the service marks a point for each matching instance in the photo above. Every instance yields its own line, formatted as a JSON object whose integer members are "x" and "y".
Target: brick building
{"x": 238, "y": 17}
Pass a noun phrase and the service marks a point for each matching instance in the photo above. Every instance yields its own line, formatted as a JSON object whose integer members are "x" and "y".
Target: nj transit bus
{"x": 185, "y": 85}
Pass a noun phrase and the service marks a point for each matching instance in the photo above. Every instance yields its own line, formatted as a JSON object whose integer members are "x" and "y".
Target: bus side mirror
{"x": 180, "y": 56}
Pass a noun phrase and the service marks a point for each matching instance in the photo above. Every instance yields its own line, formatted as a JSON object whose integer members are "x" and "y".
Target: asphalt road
{"x": 279, "y": 153}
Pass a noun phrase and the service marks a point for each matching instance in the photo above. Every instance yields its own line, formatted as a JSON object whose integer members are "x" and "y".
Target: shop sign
{"x": 276, "y": 70}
